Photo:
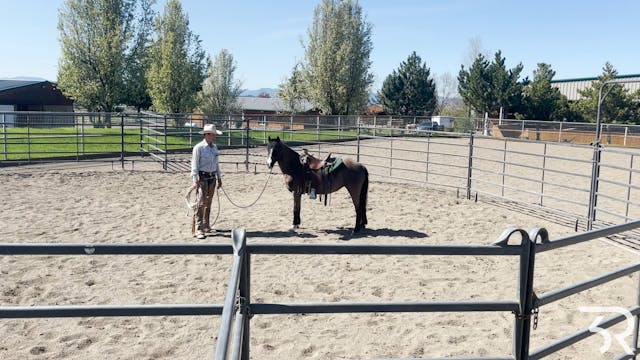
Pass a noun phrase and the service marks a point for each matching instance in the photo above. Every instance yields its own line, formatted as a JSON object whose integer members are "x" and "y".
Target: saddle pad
{"x": 336, "y": 164}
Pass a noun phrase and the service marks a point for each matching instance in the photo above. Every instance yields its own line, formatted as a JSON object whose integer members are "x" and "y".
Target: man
{"x": 204, "y": 172}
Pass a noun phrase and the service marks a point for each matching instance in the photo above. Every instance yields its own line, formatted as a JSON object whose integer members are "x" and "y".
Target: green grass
{"x": 36, "y": 143}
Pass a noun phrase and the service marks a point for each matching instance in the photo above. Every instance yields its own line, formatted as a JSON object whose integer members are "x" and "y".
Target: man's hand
{"x": 219, "y": 183}
{"x": 195, "y": 185}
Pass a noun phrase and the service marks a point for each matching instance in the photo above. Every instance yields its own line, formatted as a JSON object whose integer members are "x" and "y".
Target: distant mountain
{"x": 272, "y": 92}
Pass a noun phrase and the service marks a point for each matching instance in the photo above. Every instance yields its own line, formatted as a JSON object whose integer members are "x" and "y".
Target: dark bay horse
{"x": 300, "y": 178}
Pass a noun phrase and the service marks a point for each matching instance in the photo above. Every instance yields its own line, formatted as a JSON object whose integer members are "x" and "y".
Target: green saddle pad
{"x": 336, "y": 164}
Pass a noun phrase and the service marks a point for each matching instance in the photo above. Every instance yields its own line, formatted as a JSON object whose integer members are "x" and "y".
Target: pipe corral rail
{"x": 237, "y": 309}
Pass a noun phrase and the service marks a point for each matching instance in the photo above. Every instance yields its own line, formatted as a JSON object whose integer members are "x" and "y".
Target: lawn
{"x": 36, "y": 143}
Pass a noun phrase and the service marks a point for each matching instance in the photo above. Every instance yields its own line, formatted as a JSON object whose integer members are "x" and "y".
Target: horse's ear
{"x": 278, "y": 139}
{"x": 270, "y": 139}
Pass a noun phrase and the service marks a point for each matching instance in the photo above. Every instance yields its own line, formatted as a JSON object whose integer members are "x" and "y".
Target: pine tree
{"x": 409, "y": 91}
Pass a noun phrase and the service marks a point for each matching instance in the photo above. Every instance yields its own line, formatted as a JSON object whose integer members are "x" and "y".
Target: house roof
{"x": 13, "y": 84}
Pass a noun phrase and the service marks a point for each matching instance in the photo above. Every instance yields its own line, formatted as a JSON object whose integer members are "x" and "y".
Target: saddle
{"x": 316, "y": 172}
{"x": 313, "y": 162}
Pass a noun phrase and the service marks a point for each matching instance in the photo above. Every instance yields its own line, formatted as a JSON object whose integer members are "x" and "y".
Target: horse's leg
{"x": 364, "y": 192}
{"x": 354, "y": 191}
{"x": 296, "y": 210}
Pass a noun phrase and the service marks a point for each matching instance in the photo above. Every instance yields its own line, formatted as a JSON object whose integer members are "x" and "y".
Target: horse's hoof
{"x": 293, "y": 228}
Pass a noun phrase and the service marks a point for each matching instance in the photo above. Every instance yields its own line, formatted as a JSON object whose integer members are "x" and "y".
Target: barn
{"x": 34, "y": 96}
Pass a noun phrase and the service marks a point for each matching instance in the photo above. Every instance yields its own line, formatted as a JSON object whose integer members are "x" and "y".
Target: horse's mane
{"x": 290, "y": 159}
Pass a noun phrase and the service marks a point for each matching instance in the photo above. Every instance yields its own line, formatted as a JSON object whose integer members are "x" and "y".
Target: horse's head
{"x": 274, "y": 151}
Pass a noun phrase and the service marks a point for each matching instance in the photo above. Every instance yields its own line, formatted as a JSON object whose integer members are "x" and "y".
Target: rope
{"x": 193, "y": 206}
{"x": 253, "y": 203}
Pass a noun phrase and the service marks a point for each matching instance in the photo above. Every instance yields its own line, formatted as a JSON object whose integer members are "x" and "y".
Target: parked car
{"x": 428, "y": 125}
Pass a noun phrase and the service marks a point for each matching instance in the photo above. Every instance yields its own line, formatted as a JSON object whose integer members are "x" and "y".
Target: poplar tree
{"x": 178, "y": 63}
{"x": 138, "y": 59}
{"x": 220, "y": 90}
{"x": 292, "y": 90}
{"x": 410, "y": 91}
{"x": 94, "y": 37}
{"x": 336, "y": 68}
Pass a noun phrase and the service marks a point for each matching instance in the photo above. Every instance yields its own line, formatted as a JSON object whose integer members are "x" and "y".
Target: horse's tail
{"x": 363, "y": 196}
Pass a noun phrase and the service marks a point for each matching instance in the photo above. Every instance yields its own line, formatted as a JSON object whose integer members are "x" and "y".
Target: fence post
{"x": 339, "y": 127}
{"x": 544, "y": 165}
{"x": 629, "y": 186}
{"x": 374, "y": 124}
{"x": 526, "y": 295}
{"x": 246, "y": 160}
{"x": 358, "y": 140}
{"x": 636, "y": 325}
{"x": 504, "y": 166}
{"x": 317, "y": 128}
{"x": 626, "y": 132}
{"x": 245, "y": 296}
{"x": 82, "y": 134}
{"x": 238, "y": 237}
{"x": 593, "y": 192}
{"x": 28, "y": 139}
{"x": 4, "y": 136}
{"x": 470, "y": 166}
{"x": 122, "y": 141}
{"x": 560, "y": 133}
{"x": 164, "y": 165}
{"x": 391, "y": 153}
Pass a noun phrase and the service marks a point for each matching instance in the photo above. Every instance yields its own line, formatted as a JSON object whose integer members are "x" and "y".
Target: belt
{"x": 207, "y": 174}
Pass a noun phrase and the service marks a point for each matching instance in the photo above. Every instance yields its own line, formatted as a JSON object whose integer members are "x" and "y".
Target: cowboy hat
{"x": 209, "y": 129}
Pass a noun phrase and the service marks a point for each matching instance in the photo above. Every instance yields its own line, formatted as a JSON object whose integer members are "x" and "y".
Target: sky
{"x": 265, "y": 38}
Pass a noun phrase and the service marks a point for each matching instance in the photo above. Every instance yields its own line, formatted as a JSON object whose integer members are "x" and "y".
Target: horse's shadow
{"x": 346, "y": 233}
{"x": 343, "y": 232}
{"x": 272, "y": 234}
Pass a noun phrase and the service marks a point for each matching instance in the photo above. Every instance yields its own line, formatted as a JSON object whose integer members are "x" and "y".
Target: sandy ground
{"x": 85, "y": 204}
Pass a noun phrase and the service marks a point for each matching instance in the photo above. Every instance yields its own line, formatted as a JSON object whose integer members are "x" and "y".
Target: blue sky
{"x": 576, "y": 37}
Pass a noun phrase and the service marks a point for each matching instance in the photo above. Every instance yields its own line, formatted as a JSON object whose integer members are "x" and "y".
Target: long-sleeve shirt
{"x": 204, "y": 158}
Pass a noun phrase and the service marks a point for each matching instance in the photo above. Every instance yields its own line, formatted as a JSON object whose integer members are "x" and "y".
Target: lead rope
{"x": 253, "y": 203}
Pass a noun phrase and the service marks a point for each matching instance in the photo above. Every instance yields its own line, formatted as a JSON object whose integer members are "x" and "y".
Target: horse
{"x": 301, "y": 178}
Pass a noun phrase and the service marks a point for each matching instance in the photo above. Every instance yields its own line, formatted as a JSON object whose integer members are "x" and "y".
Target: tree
{"x": 337, "y": 53}
{"x": 474, "y": 85}
{"x": 618, "y": 106}
{"x": 446, "y": 86}
{"x": 94, "y": 37}
{"x": 293, "y": 91}
{"x": 487, "y": 87}
{"x": 541, "y": 100}
{"x": 138, "y": 59}
{"x": 178, "y": 63}
{"x": 410, "y": 90}
{"x": 505, "y": 86}
{"x": 220, "y": 90}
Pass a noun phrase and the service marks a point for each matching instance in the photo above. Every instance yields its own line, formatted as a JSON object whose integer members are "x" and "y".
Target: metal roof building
{"x": 33, "y": 96}
{"x": 570, "y": 87}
